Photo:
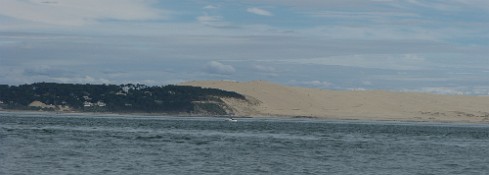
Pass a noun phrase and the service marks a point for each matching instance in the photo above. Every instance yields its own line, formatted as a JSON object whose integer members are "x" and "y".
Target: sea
{"x": 72, "y": 144}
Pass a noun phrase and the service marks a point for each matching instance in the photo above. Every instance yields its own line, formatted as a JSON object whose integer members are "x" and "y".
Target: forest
{"x": 115, "y": 98}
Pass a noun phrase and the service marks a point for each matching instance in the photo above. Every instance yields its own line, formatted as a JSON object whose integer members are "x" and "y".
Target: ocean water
{"x": 34, "y": 143}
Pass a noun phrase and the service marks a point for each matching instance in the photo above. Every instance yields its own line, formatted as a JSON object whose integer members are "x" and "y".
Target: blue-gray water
{"x": 79, "y": 144}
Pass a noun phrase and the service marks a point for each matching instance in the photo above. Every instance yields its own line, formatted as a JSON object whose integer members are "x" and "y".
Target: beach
{"x": 269, "y": 99}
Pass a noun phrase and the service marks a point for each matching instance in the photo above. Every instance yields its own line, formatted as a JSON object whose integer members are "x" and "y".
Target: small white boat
{"x": 231, "y": 120}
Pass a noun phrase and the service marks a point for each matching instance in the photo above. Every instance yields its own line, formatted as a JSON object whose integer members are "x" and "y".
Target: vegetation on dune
{"x": 116, "y": 98}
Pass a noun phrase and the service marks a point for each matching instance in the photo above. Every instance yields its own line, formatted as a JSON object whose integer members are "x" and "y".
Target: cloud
{"x": 351, "y": 43}
{"x": 361, "y": 14}
{"x": 85, "y": 79}
{"x": 206, "y": 19}
{"x": 215, "y": 67}
{"x": 45, "y": 70}
{"x": 77, "y": 13}
{"x": 357, "y": 4}
{"x": 319, "y": 83}
{"x": 451, "y": 90}
{"x": 258, "y": 11}
{"x": 312, "y": 83}
{"x": 376, "y": 61}
{"x": 262, "y": 68}
{"x": 211, "y": 7}
{"x": 334, "y": 4}
{"x": 439, "y": 90}
{"x": 214, "y": 21}
{"x": 265, "y": 70}
{"x": 367, "y": 83}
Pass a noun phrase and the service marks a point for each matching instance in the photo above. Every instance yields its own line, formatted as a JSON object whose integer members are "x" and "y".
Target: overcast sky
{"x": 439, "y": 46}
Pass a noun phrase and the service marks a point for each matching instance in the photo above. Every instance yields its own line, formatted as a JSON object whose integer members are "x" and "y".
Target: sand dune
{"x": 268, "y": 99}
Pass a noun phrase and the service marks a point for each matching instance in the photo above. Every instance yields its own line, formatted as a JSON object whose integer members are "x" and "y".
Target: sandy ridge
{"x": 269, "y": 99}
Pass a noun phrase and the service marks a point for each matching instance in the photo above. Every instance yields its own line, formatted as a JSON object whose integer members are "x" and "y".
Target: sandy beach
{"x": 269, "y": 99}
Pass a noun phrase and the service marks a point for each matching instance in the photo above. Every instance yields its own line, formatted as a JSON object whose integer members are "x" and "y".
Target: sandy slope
{"x": 268, "y": 99}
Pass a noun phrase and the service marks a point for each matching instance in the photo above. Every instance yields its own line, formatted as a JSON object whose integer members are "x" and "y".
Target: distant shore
{"x": 269, "y": 99}
{"x": 292, "y": 118}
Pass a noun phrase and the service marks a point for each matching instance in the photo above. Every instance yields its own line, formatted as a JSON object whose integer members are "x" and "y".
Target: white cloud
{"x": 76, "y": 13}
{"x": 211, "y": 7}
{"x": 334, "y": 4}
{"x": 213, "y": 21}
{"x": 374, "y": 32}
{"x": 215, "y": 67}
{"x": 313, "y": 83}
{"x": 457, "y": 90}
{"x": 379, "y": 61}
{"x": 361, "y": 14}
{"x": 357, "y": 89}
{"x": 319, "y": 83}
{"x": 209, "y": 19}
{"x": 85, "y": 79}
{"x": 259, "y": 11}
{"x": 369, "y": 4}
{"x": 439, "y": 90}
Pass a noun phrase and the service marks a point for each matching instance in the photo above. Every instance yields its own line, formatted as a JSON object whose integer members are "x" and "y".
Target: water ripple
{"x": 67, "y": 144}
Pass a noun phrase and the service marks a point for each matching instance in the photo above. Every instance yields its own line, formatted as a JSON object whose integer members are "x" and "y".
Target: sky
{"x": 434, "y": 46}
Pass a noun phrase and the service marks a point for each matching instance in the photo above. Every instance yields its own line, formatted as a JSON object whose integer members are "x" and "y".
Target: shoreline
{"x": 269, "y": 99}
{"x": 271, "y": 117}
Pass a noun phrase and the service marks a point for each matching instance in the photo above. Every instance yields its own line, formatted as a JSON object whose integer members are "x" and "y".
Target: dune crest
{"x": 269, "y": 99}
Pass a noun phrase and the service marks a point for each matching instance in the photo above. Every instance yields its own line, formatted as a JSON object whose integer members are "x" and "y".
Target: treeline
{"x": 116, "y": 98}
